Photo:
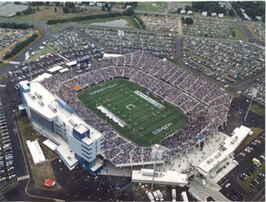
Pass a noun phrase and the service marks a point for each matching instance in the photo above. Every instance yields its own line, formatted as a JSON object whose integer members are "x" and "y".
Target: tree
{"x": 69, "y": 5}
{"x": 109, "y": 8}
{"x": 18, "y": 13}
{"x": 129, "y": 11}
{"x": 179, "y": 10}
{"x": 187, "y": 20}
{"x": 55, "y": 9}
{"x": 231, "y": 13}
{"x": 233, "y": 32}
{"x": 57, "y": 4}
{"x": 103, "y": 8}
{"x": 65, "y": 10}
{"x": 187, "y": 8}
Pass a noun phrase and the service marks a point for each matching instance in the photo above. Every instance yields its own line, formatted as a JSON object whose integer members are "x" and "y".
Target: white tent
{"x": 36, "y": 152}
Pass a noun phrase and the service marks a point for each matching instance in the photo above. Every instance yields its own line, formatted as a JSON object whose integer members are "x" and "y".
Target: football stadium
{"x": 138, "y": 100}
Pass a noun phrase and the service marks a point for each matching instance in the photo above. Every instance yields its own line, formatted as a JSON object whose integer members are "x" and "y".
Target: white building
{"x": 78, "y": 142}
{"x": 204, "y": 13}
{"x": 227, "y": 148}
{"x": 163, "y": 178}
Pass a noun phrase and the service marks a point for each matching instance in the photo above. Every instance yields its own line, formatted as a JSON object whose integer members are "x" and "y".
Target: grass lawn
{"x": 151, "y": 6}
{"x": 42, "y": 171}
{"x": 257, "y": 110}
{"x": 146, "y": 124}
{"x": 249, "y": 139}
{"x": 129, "y": 19}
{"x": 238, "y": 33}
{"x": 48, "y": 12}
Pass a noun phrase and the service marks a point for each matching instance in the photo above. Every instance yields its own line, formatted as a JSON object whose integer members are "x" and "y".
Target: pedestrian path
{"x": 23, "y": 177}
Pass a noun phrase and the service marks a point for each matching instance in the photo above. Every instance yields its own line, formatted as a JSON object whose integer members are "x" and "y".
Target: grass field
{"x": 42, "y": 171}
{"x": 151, "y": 6}
{"x": 146, "y": 124}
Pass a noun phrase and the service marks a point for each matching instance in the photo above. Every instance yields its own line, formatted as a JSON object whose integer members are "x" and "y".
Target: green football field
{"x": 145, "y": 122}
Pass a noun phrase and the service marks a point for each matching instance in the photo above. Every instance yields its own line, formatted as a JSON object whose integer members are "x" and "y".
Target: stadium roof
{"x": 111, "y": 55}
{"x": 228, "y": 147}
{"x": 165, "y": 178}
{"x": 42, "y": 77}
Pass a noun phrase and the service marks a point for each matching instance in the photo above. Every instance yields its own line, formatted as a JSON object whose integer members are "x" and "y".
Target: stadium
{"x": 138, "y": 100}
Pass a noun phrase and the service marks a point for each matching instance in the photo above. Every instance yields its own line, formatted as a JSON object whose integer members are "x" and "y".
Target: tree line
{"x": 87, "y": 17}
{"x": 12, "y": 25}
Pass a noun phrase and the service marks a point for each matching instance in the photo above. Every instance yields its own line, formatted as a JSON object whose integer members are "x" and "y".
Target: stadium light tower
{"x": 27, "y": 56}
{"x": 156, "y": 155}
{"x": 253, "y": 94}
{"x": 121, "y": 34}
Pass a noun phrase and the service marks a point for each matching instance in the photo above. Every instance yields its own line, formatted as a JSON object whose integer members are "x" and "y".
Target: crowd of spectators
{"x": 205, "y": 104}
{"x": 157, "y": 43}
{"x": 210, "y": 28}
{"x": 225, "y": 60}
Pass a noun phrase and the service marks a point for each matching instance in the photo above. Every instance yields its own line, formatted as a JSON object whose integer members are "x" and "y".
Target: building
{"x": 49, "y": 182}
{"x": 226, "y": 150}
{"x": 162, "y": 178}
{"x": 77, "y": 142}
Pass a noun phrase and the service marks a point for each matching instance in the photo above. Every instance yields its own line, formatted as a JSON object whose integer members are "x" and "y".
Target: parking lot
{"x": 258, "y": 84}
{"x": 8, "y": 38}
{"x": 216, "y": 28}
{"x": 64, "y": 47}
{"x": 162, "y": 23}
{"x": 7, "y": 169}
{"x": 227, "y": 61}
{"x": 259, "y": 29}
{"x": 161, "y": 44}
{"x": 246, "y": 181}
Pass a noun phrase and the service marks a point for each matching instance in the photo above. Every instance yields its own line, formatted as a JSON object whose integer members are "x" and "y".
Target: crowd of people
{"x": 205, "y": 104}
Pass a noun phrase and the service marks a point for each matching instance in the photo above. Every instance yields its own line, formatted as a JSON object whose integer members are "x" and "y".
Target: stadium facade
{"x": 78, "y": 142}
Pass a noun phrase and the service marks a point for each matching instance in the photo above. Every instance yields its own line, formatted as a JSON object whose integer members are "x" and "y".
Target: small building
{"x": 221, "y": 15}
{"x": 182, "y": 11}
{"x": 190, "y": 12}
{"x": 55, "y": 69}
{"x": 163, "y": 178}
{"x": 49, "y": 182}
{"x": 72, "y": 63}
{"x": 36, "y": 152}
{"x": 204, "y": 13}
{"x": 213, "y": 14}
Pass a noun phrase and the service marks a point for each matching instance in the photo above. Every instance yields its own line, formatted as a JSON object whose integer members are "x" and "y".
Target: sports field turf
{"x": 146, "y": 124}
